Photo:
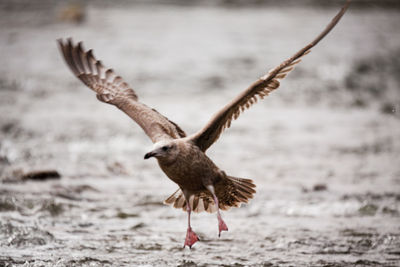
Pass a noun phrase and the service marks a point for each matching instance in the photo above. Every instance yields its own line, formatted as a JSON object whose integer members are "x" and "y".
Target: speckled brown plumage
{"x": 201, "y": 183}
{"x": 192, "y": 170}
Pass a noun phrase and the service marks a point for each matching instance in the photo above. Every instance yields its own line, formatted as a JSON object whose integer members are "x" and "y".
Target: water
{"x": 326, "y": 170}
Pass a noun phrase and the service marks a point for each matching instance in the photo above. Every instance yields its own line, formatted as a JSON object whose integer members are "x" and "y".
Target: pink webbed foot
{"x": 221, "y": 226}
{"x": 191, "y": 238}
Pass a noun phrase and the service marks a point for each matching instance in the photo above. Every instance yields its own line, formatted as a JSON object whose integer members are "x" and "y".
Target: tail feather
{"x": 245, "y": 190}
{"x": 196, "y": 201}
{"x": 171, "y": 199}
{"x": 231, "y": 192}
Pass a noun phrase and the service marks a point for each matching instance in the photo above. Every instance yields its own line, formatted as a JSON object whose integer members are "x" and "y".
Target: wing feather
{"x": 112, "y": 89}
{"x": 258, "y": 90}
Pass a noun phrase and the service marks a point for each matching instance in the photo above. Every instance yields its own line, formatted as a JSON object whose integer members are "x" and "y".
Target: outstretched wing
{"x": 258, "y": 90}
{"x": 112, "y": 89}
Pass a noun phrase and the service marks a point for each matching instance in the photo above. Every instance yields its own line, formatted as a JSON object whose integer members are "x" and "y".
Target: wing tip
{"x": 60, "y": 41}
{"x": 70, "y": 41}
{"x": 80, "y": 46}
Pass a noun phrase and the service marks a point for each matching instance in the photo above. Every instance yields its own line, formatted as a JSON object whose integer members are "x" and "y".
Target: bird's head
{"x": 163, "y": 150}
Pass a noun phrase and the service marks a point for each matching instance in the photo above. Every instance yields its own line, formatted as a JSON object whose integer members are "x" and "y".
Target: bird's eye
{"x": 164, "y": 148}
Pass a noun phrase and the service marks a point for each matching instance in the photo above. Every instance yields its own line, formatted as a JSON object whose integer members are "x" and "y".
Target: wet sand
{"x": 323, "y": 149}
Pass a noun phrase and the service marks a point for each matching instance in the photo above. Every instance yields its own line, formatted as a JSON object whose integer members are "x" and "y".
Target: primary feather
{"x": 112, "y": 89}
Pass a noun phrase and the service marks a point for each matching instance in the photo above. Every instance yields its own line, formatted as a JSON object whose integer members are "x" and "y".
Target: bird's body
{"x": 202, "y": 185}
{"x": 193, "y": 171}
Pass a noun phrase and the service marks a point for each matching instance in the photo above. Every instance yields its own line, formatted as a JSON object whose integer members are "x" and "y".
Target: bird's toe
{"x": 191, "y": 238}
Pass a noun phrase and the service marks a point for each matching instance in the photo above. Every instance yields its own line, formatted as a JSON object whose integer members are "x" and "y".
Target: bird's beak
{"x": 149, "y": 155}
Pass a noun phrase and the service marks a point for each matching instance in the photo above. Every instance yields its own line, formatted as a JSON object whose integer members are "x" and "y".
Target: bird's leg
{"x": 221, "y": 224}
{"x": 191, "y": 236}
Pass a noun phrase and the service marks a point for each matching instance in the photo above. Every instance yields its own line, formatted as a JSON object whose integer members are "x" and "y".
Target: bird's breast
{"x": 191, "y": 170}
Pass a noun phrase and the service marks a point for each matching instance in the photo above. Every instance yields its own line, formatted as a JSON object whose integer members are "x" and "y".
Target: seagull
{"x": 202, "y": 185}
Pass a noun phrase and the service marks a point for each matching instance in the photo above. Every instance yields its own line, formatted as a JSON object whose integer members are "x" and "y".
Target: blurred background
{"x": 323, "y": 149}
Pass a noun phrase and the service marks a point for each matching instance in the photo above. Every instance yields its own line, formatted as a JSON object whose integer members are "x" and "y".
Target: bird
{"x": 202, "y": 186}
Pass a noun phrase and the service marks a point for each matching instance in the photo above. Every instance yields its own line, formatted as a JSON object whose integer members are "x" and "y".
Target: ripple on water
{"x": 23, "y": 236}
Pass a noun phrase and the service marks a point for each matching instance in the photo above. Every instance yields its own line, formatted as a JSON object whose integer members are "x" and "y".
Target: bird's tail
{"x": 230, "y": 191}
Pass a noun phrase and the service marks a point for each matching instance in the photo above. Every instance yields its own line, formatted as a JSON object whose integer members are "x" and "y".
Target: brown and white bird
{"x": 202, "y": 185}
